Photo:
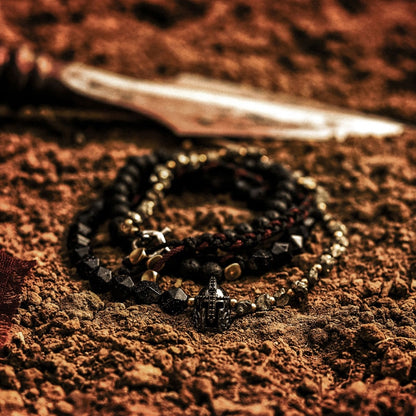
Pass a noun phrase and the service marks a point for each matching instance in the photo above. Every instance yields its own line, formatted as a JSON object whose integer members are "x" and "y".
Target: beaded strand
{"x": 269, "y": 241}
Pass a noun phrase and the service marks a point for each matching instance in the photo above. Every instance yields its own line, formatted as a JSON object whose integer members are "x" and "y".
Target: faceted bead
{"x": 122, "y": 286}
{"x": 280, "y": 252}
{"x": 100, "y": 280}
{"x": 281, "y": 297}
{"x": 212, "y": 269}
{"x": 264, "y": 302}
{"x": 146, "y": 292}
{"x": 327, "y": 262}
{"x": 88, "y": 266}
{"x": 300, "y": 287}
{"x": 260, "y": 261}
{"x": 297, "y": 242}
{"x": 243, "y": 307}
{"x": 174, "y": 301}
{"x": 78, "y": 240}
{"x": 80, "y": 228}
{"x": 79, "y": 253}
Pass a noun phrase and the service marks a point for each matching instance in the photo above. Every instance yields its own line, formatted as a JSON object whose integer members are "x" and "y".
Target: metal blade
{"x": 195, "y": 106}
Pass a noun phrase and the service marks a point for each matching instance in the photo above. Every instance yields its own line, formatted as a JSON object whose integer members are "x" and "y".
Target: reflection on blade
{"x": 192, "y": 105}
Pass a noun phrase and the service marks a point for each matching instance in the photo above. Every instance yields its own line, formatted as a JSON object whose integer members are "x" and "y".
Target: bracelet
{"x": 286, "y": 207}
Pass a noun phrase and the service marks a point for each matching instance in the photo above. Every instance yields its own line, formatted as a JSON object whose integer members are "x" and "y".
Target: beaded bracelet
{"x": 286, "y": 205}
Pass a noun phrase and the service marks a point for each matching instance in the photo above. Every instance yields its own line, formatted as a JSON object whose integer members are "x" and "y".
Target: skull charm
{"x": 212, "y": 308}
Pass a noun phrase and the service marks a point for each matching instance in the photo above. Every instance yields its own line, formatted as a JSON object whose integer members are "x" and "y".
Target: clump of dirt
{"x": 350, "y": 350}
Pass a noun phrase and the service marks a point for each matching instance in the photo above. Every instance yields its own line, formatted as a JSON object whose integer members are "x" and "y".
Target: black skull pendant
{"x": 212, "y": 308}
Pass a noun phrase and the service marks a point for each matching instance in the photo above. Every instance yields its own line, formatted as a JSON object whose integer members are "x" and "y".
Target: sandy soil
{"x": 351, "y": 350}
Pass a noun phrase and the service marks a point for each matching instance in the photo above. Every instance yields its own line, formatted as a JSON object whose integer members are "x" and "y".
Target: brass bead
{"x": 191, "y": 301}
{"x": 233, "y": 302}
{"x": 137, "y": 255}
{"x": 272, "y": 300}
{"x": 150, "y": 276}
{"x": 203, "y": 158}
{"x": 232, "y": 271}
{"x": 158, "y": 187}
{"x": 171, "y": 164}
{"x": 135, "y": 217}
{"x": 153, "y": 260}
{"x": 183, "y": 159}
{"x": 322, "y": 206}
{"x": 253, "y": 307}
{"x": 290, "y": 292}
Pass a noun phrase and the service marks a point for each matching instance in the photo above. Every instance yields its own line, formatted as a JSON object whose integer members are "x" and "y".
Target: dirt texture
{"x": 351, "y": 350}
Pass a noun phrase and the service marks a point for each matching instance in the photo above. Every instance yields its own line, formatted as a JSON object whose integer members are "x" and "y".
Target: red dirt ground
{"x": 351, "y": 350}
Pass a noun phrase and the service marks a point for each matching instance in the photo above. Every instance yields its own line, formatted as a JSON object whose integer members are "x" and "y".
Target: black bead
{"x": 260, "y": 223}
{"x": 287, "y": 186}
{"x": 211, "y": 269}
{"x": 272, "y": 215}
{"x": 130, "y": 170}
{"x": 119, "y": 199}
{"x": 122, "y": 286}
{"x": 120, "y": 188}
{"x": 79, "y": 253}
{"x": 283, "y": 196}
{"x": 276, "y": 205}
{"x": 190, "y": 269}
{"x": 280, "y": 252}
{"x": 100, "y": 280}
{"x": 79, "y": 240}
{"x": 296, "y": 243}
{"x": 243, "y": 228}
{"x": 146, "y": 292}
{"x": 87, "y": 266}
{"x": 260, "y": 261}
{"x": 174, "y": 301}
{"x": 120, "y": 210}
{"x": 128, "y": 181}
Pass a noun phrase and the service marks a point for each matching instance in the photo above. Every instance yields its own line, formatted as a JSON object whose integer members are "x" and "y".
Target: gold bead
{"x": 128, "y": 222}
{"x": 290, "y": 292}
{"x": 135, "y": 217}
{"x": 203, "y": 158}
{"x": 233, "y": 302}
{"x": 191, "y": 301}
{"x": 171, "y": 164}
{"x": 318, "y": 267}
{"x": 150, "y": 276}
{"x": 152, "y": 261}
{"x": 137, "y": 255}
{"x": 272, "y": 300}
{"x": 183, "y": 159}
{"x": 158, "y": 187}
{"x": 253, "y": 307}
{"x": 232, "y": 271}
{"x": 322, "y": 206}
